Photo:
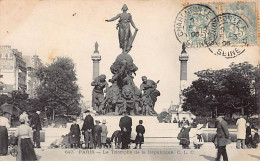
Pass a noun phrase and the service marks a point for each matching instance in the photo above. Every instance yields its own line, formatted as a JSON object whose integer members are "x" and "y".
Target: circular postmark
{"x": 190, "y": 25}
{"x": 226, "y": 35}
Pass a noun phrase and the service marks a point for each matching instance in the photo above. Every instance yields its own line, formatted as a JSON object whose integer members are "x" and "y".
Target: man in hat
{"x": 97, "y": 130}
{"x": 223, "y": 138}
{"x": 87, "y": 129}
{"x": 36, "y": 127}
{"x": 125, "y": 125}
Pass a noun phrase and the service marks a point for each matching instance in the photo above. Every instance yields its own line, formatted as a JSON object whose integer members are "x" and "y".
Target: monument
{"x": 96, "y": 57}
{"x": 184, "y": 57}
{"x": 123, "y": 96}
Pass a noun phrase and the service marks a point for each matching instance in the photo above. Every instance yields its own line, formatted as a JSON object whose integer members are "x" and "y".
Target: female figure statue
{"x": 124, "y": 32}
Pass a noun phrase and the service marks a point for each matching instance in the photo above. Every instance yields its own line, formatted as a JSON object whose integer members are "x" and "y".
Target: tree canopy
{"x": 225, "y": 91}
{"x": 58, "y": 89}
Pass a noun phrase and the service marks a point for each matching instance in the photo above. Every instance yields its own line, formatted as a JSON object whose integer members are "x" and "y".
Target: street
{"x": 174, "y": 153}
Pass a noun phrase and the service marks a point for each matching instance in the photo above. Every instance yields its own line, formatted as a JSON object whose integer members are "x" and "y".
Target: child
{"x": 117, "y": 136}
{"x": 104, "y": 133}
{"x": 198, "y": 139}
{"x": 75, "y": 135}
{"x": 248, "y": 135}
{"x": 140, "y": 130}
{"x": 255, "y": 139}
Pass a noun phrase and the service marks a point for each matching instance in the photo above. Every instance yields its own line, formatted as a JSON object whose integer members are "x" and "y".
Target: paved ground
{"x": 206, "y": 153}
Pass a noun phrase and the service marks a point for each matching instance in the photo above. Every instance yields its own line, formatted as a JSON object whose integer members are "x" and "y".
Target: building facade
{"x": 15, "y": 74}
{"x": 32, "y": 81}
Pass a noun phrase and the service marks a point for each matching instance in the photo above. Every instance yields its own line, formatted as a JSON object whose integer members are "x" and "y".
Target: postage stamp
{"x": 190, "y": 24}
{"x": 225, "y": 32}
{"x": 248, "y": 12}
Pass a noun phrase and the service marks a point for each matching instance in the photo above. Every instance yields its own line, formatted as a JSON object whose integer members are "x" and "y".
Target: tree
{"x": 227, "y": 90}
{"x": 58, "y": 89}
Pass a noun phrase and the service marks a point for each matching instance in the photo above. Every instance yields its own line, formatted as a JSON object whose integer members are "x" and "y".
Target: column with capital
{"x": 96, "y": 57}
{"x": 184, "y": 57}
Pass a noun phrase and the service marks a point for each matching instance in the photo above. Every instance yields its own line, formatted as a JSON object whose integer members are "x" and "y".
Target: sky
{"x": 49, "y": 29}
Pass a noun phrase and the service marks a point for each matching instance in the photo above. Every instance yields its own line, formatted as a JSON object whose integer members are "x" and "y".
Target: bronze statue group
{"x": 123, "y": 96}
{"x": 127, "y": 99}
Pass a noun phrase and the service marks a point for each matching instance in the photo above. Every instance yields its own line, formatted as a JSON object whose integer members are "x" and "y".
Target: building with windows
{"x": 12, "y": 70}
{"x": 32, "y": 63}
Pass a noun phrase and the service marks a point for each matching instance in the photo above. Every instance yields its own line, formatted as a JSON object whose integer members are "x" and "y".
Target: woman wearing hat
{"x": 25, "y": 144}
{"x": 104, "y": 133}
{"x": 4, "y": 126}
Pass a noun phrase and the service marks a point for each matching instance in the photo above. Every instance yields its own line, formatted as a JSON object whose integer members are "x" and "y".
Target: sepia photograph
{"x": 129, "y": 80}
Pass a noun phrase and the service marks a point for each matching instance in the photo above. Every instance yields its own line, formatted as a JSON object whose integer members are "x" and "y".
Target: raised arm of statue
{"x": 113, "y": 19}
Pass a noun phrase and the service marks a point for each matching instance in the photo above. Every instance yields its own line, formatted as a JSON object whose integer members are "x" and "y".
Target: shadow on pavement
{"x": 209, "y": 157}
{"x": 254, "y": 156}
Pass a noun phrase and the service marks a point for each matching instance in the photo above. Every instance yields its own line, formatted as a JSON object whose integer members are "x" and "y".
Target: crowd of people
{"x": 244, "y": 134}
{"x": 25, "y": 138}
{"x": 96, "y": 135}
{"x": 245, "y": 137}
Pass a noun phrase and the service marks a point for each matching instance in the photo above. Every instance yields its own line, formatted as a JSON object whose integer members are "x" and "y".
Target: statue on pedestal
{"x": 123, "y": 96}
{"x": 124, "y": 32}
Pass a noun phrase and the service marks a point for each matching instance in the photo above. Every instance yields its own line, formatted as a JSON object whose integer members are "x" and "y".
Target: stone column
{"x": 96, "y": 57}
{"x": 184, "y": 57}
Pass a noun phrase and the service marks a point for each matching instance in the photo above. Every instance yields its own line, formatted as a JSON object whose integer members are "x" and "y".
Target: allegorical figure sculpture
{"x": 123, "y": 96}
{"x": 99, "y": 84}
{"x": 124, "y": 32}
{"x": 149, "y": 97}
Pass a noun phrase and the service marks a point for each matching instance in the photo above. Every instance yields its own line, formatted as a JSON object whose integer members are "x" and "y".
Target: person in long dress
{"x": 104, "y": 133}
{"x": 4, "y": 126}
{"x": 25, "y": 142}
{"x": 185, "y": 137}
